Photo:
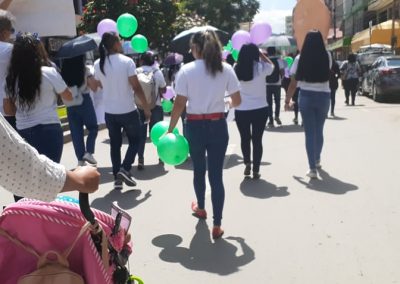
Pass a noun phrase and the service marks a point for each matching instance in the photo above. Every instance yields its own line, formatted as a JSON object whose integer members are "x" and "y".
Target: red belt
{"x": 207, "y": 116}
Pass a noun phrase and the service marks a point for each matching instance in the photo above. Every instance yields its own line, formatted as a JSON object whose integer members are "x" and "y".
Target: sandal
{"x": 197, "y": 212}
{"x": 217, "y": 232}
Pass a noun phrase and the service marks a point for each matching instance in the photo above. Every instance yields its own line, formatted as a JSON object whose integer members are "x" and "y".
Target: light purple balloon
{"x": 260, "y": 32}
{"x": 169, "y": 94}
{"x": 239, "y": 38}
{"x": 106, "y": 25}
{"x": 225, "y": 54}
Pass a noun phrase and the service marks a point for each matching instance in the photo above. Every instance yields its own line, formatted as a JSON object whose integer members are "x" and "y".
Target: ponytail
{"x": 209, "y": 47}
{"x": 107, "y": 43}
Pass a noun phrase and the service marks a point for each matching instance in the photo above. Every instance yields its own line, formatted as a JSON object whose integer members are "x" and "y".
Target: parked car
{"x": 382, "y": 79}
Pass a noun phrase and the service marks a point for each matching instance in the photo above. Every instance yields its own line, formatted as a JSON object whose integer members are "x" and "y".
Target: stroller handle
{"x": 85, "y": 208}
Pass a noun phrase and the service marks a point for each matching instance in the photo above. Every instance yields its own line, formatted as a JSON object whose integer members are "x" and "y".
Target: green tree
{"x": 155, "y": 18}
{"x": 224, "y": 14}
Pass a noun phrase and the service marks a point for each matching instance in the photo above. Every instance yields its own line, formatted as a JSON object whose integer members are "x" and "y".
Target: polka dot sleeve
{"x": 23, "y": 171}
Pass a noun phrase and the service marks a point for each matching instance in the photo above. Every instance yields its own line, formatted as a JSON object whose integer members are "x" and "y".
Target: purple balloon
{"x": 169, "y": 94}
{"x": 225, "y": 54}
{"x": 239, "y": 38}
{"x": 260, "y": 32}
{"x": 106, "y": 25}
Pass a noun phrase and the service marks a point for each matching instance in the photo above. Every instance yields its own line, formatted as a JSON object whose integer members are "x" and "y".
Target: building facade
{"x": 289, "y": 25}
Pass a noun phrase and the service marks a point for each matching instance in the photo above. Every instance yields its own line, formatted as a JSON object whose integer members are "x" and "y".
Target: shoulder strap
{"x": 18, "y": 243}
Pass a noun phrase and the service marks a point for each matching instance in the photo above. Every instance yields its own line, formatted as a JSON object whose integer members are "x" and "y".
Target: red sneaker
{"x": 217, "y": 232}
{"x": 197, "y": 212}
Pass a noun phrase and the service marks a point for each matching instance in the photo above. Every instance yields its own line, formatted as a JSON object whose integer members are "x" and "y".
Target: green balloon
{"x": 167, "y": 105}
{"x": 173, "y": 149}
{"x": 127, "y": 25}
{"x": 159, "y": 129}
{"x": 289, "y": 61}
{"x": 139, "y": 43}
{"x": 235, "y": 54}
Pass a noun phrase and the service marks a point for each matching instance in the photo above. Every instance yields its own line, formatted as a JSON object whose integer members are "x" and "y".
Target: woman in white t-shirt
{"x": 31, "y": 94}
{"x": 202, "y": 85}
{"x": 117, "y": 75}
{"x": 252, "y": 114}
{"x": 312, "y": 69}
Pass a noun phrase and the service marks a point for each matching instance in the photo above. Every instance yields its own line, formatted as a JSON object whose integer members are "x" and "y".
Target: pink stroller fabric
{"x": 50, "y": 226}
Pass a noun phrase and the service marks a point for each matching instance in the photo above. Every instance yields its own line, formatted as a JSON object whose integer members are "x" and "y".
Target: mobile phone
{"x": 121, "y": 216}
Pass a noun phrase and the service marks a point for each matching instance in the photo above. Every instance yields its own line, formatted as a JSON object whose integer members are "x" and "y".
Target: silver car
{"x": 382, "y": 80}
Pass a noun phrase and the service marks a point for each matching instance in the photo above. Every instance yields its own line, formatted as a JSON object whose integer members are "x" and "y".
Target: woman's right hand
{"x": 83, "y": 179}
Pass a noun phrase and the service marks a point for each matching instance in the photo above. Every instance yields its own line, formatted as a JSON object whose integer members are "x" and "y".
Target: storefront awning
{"x": 381, "y": 33}
{"x": 344, "y": 42}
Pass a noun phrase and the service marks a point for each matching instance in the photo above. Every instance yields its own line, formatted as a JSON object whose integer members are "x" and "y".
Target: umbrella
{"x": 77, "y": 46}
{"x": 280, "y": 41}
{"x": 173, "y": 59}
{"x": 180, "y": 43}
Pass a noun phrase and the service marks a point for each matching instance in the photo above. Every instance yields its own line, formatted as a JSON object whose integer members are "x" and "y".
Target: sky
{"x": 274, "y": 12}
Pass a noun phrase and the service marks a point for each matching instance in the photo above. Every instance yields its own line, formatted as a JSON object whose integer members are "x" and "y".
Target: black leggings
{"x": 351, "y": 87}
{"x": 251, "y": 125}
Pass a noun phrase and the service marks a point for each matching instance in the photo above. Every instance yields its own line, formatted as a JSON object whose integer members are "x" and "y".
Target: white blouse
{"x": 23, "y": 171}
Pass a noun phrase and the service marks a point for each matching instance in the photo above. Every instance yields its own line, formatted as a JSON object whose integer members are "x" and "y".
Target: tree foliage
{"x": 224, "y": 14}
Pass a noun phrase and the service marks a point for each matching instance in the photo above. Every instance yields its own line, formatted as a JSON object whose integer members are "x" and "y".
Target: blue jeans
{"x": 157, "y": 115}
{"x": 79, "y": 116}
{"x": 208, "y": 137}
{"x": 251, "y": 125}
{"x": 130, "y": 123}
{"x": 47, "y": 139}
{"x": 314, "y": 107}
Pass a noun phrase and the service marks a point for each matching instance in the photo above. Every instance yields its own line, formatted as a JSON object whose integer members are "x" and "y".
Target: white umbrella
{"x": 280, "y": 41}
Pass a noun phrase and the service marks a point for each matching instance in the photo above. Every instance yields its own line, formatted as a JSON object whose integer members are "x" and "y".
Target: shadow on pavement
{"x": 126, "y": 199}
{"x": 221, "y": 257}
{"x": 150, "y": 172}
{"x": 286, "y": 129}
{"x": 262, "y": 189}
{"x": 336, "y": 118}
{"x": 106, "y": 175}
{"x": 327, "y": 184}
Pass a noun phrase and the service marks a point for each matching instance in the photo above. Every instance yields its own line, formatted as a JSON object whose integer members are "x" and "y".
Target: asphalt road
{"x": 342, "y": 228}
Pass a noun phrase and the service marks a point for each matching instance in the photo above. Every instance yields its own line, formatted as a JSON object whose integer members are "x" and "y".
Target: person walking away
{"x": 153, "y": 84}
{"x": 117, "y": 75}
{"x": 334, "y": 84}
{"x": 31, "y": 95}
{"x": 251, "y": 116}
{"x": 274, "y": 84}
{"x": 6, "y": 30}
{"x": 202, "y": 85}
{"x": 312, "y": 69}
{"x": 351, "y": 73}
{"x": 81, "y": 111}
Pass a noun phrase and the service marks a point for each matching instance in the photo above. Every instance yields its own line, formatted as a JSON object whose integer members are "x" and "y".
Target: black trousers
{"x": 275, "y": 92}
{"x": 350, "y": 88}
{"x": 251, "y": 125}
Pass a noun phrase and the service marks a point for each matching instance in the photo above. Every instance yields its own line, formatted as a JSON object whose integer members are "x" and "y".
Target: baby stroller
{"x": 94, "y": 244}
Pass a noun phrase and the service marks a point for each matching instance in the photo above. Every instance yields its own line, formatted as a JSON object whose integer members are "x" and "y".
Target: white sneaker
{"x": 81, "y": 163}
{"x": 312, "y": 174}
{"x": 88, "y": 157}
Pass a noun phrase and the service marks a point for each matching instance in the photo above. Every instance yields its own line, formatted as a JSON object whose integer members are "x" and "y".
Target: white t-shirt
{"x": 318, "y": 87}
{"x": 117, "y": 91}
{"x": 44, "y": 110}
{"x": 253, "y": 93}
{"x": 205, "y": 93}
{"x": 281, "y": 67}
{"x": 5, "y": 57}
{"x": 158, "y": 78}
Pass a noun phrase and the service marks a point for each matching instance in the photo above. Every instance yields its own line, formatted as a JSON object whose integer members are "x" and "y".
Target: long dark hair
{"x": 313, "y": 64}
{"x": 73, "y": 71}
{"x": 248, "y": 55}
{"x": 108, "y": 41}
{"x": 24, "y": 72}
{"x": 209, "y": 47}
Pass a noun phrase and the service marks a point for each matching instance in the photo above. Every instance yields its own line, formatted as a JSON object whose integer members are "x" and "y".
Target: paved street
{"x": 342, "y": 228}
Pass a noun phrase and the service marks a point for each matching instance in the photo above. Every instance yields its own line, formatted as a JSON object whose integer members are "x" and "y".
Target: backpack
{"x": 275, "y": 76}
{"x": 148, "y": 83}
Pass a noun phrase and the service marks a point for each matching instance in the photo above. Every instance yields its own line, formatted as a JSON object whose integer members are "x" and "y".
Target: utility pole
{"x": 394, "y": 37}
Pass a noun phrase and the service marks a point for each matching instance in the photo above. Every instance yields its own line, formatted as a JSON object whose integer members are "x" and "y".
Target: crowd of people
{"x": 31, "y": 133}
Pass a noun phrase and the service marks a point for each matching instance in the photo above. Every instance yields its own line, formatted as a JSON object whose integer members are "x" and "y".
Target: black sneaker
{"x": 118, "y": 184}
{"x": 278, "y": 121}
{"x": 256, "y": 175}
{"x": 295, "y": 121}
{"x": 140, "y": 165}
{"x": 247, "y": 170}
{"x": 126, "y": 177}
{"x": 271, "y": 125}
